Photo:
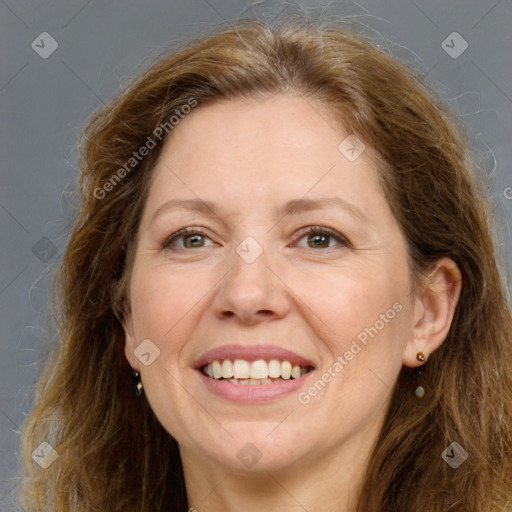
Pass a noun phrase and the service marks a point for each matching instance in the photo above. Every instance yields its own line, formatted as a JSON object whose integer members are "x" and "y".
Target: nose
{"x": 251, "y": 292}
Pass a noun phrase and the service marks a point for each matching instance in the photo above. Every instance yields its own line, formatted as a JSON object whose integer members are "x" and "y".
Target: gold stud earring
{"x": 420, "y": 356}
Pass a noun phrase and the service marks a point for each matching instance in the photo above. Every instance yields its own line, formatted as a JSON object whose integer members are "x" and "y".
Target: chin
{"x": 255, "y": 447}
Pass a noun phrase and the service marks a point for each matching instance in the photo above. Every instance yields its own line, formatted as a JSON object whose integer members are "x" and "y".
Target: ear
{"x": 434, "y": 308}
{"x": 130, "y": 342}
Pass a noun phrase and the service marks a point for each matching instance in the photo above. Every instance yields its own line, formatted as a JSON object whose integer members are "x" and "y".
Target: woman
{"x": 281, "y": 293}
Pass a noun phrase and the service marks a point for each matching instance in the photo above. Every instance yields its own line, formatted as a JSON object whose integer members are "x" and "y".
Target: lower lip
{"x": 249, "y": 393}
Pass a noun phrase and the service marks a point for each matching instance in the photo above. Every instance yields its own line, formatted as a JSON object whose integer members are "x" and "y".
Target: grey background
{"x": 44, "y": 102}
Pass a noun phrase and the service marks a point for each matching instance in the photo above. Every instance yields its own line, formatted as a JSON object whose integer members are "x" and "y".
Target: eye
{"x": 319, "y": 237}
{"x": 186, "y": 238}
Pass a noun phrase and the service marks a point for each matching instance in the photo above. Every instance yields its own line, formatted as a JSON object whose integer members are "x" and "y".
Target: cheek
{"x": 347, "y": 302}
{"x": 363, "y": 322}
{"x": 160, "y": 296}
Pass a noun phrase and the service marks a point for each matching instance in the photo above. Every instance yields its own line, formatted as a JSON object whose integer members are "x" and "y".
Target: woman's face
{"x": 292, "y": 263}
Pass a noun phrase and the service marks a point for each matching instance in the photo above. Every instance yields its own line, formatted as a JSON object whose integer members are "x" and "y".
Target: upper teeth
{"x": 260, "y": 369}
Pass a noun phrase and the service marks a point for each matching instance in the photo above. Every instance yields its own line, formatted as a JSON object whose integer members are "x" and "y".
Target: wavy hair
{"x": 113, "y": 454}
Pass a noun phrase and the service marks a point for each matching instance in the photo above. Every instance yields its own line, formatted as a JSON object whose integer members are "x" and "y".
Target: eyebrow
{"x": 292, "y": 207}
{"x": 296, "y": 206}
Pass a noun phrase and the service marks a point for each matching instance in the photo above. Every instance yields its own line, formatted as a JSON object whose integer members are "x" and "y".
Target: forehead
{"x": 279, "y": 146}
{"x": 260, "y": 128}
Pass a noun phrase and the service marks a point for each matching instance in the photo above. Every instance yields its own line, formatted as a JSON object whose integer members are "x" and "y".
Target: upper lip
{"x": 251, "y": 353}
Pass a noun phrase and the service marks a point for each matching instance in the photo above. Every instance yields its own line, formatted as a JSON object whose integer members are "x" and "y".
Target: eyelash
{"x": 309, "y": 230}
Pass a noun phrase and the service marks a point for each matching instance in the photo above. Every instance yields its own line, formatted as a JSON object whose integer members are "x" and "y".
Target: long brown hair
{"x": 113, "y": 455}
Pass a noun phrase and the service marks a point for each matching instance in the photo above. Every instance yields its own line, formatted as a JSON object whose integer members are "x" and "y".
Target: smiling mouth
{"x": 241, "y": 371}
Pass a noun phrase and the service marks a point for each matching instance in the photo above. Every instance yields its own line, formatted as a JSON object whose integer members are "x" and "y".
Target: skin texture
{"x": 250, "y": 157}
